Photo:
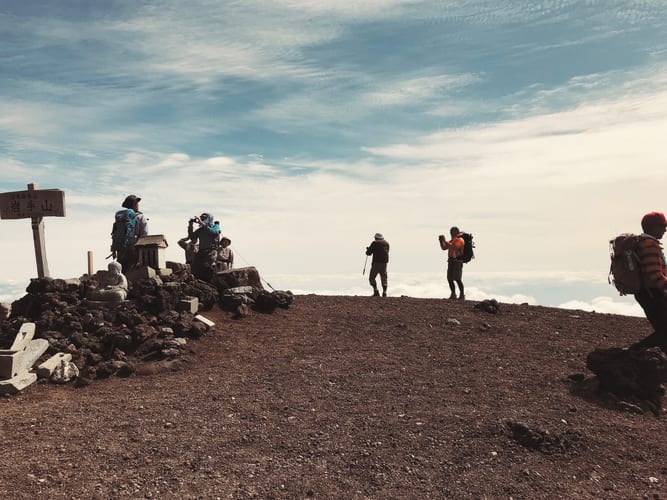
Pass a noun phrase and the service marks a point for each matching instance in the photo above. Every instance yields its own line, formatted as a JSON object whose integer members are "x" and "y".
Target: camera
{"x": 441, "y": 236}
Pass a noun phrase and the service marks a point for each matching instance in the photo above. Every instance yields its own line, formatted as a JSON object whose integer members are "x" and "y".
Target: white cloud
{"x": 605, "y": 305}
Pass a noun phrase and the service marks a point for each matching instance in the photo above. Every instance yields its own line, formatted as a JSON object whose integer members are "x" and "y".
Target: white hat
{"x": 378, "y": 236}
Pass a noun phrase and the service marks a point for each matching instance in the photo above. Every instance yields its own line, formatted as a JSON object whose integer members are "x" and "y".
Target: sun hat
{"x": 130, "y": 200}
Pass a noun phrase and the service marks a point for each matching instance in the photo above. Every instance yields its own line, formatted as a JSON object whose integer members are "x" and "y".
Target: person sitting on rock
{"x": 190, "y": 249}
{"x": 225, "y": 258}
{"x": 115, "y": 287}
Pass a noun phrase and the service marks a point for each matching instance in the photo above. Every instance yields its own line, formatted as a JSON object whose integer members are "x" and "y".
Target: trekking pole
{"x": 364, "y": 271}
{"x": 236, "y": 252}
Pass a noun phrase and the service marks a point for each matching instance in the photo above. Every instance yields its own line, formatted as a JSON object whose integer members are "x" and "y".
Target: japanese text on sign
{"x": 32, "y": 203}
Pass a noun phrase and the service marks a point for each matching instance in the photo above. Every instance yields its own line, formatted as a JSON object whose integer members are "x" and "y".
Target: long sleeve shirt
{"x": 652, "y": 262}
{"x": 379, "y": 249}
{"x": 207, "y": 235}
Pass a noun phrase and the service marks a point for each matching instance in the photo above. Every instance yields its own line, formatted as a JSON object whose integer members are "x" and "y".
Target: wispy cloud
{"x": 307, "y": 126}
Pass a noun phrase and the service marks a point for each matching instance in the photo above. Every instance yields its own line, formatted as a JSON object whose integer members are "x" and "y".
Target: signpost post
{"x": 34, "y": 204}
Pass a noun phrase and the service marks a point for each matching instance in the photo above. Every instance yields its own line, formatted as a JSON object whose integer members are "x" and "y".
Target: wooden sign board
{"x": 32, "y": 203}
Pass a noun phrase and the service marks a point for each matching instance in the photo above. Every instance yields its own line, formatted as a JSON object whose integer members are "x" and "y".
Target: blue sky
{"x": 307, "y": 126}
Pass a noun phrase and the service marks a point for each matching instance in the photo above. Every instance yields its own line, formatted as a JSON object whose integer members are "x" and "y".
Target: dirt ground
{"x": 348, "y": 397}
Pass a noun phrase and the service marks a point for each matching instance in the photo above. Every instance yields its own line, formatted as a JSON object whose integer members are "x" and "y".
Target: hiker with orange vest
{"x": 454, "y": 249}
{"x": 652, "y": 296}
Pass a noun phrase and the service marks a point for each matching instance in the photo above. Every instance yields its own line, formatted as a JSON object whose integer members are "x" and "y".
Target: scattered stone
{"x": 47, "y": 368}
{"x": 238, "y": 277}
{"x": 65, "y": 372}
{"x": 630, "y": 408}
{"x": 204, "y": 320}
{"x": 453, "y": 321}
{"x": 539, "y": 439}
{"x": 189, "y": 304}
{"x": 17, "y": 383}
{"x": 198, "y": 329}
{"x": 267, "y": 302}
{"x": 489, "y": 305}
{"x": 17, "y": 361}
{"x": 242, "y": 311}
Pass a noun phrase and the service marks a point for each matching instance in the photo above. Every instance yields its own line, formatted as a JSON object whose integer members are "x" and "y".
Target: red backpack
{"x": 625, "y": 271}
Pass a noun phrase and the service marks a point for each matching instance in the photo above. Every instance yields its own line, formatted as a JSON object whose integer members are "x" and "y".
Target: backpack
{"x": 625, "y": 271}
{"x": 123, "y": 233}
{"x": 468, "y": 248}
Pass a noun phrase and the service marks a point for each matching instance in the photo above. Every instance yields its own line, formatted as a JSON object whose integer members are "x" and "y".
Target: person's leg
{"x": 455, "y": 270}
{"x": 371, "y": 278}
{"x": 654, "y": 305}
{"x": 457, "y": 273}
{"x": 462, "y": 294}
{"x": 383, "y": 279}
{"x": 450, "y": 279}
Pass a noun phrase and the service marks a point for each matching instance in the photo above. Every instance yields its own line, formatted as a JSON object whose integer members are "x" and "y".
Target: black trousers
{"x": 654, "y": 304}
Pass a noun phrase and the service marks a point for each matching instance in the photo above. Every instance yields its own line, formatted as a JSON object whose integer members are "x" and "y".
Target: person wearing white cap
{"x": 379, "y": 249}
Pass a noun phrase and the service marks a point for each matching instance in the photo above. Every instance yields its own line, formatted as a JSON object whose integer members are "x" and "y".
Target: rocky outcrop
{"x": 633, "y": 375}
{"x": 110, "y": 338}
{"x": 107, "y": 338}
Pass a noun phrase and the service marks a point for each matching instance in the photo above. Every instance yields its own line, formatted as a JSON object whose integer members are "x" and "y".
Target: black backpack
{"x": 468, "y": 249}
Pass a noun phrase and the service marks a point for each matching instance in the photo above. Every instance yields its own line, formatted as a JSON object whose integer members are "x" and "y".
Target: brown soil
{"x": 348, "y": 397}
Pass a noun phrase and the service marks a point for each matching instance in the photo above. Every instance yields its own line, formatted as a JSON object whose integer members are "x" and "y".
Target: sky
{"x": 306, "y": 126}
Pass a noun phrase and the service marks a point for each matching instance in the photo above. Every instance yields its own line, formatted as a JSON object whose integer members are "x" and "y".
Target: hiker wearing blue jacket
{"x": 207, "y": 235}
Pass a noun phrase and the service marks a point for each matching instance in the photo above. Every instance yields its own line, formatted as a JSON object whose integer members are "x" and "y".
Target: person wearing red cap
{"x": 653, "y": 295}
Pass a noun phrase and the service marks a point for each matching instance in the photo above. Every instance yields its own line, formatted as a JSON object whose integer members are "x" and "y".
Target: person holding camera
{"x": 379, "y": 249}
{"x": 206, "y": 235}
{"x": 454, "y": 248}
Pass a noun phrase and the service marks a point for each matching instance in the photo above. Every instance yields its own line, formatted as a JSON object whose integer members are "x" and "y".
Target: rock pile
{"x": 161, "y": 313}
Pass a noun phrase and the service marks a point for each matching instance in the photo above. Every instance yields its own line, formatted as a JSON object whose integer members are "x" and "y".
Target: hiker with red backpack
{"x": 652, "y": 296}
{"x": 455, "y": 248}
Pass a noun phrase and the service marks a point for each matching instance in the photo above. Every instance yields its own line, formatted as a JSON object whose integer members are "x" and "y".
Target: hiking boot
{"x": 376, "y": 293}
{"x": 452, "y": 296}
{"x": 462, "y": 297}
{"x": 384, "y": 294}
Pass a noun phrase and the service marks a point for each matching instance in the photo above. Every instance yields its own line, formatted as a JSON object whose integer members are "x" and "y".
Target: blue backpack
{"x": 123, "y": 233}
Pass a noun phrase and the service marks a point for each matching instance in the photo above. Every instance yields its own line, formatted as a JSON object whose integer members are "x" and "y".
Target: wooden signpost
{"x": 34, "y": 204}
